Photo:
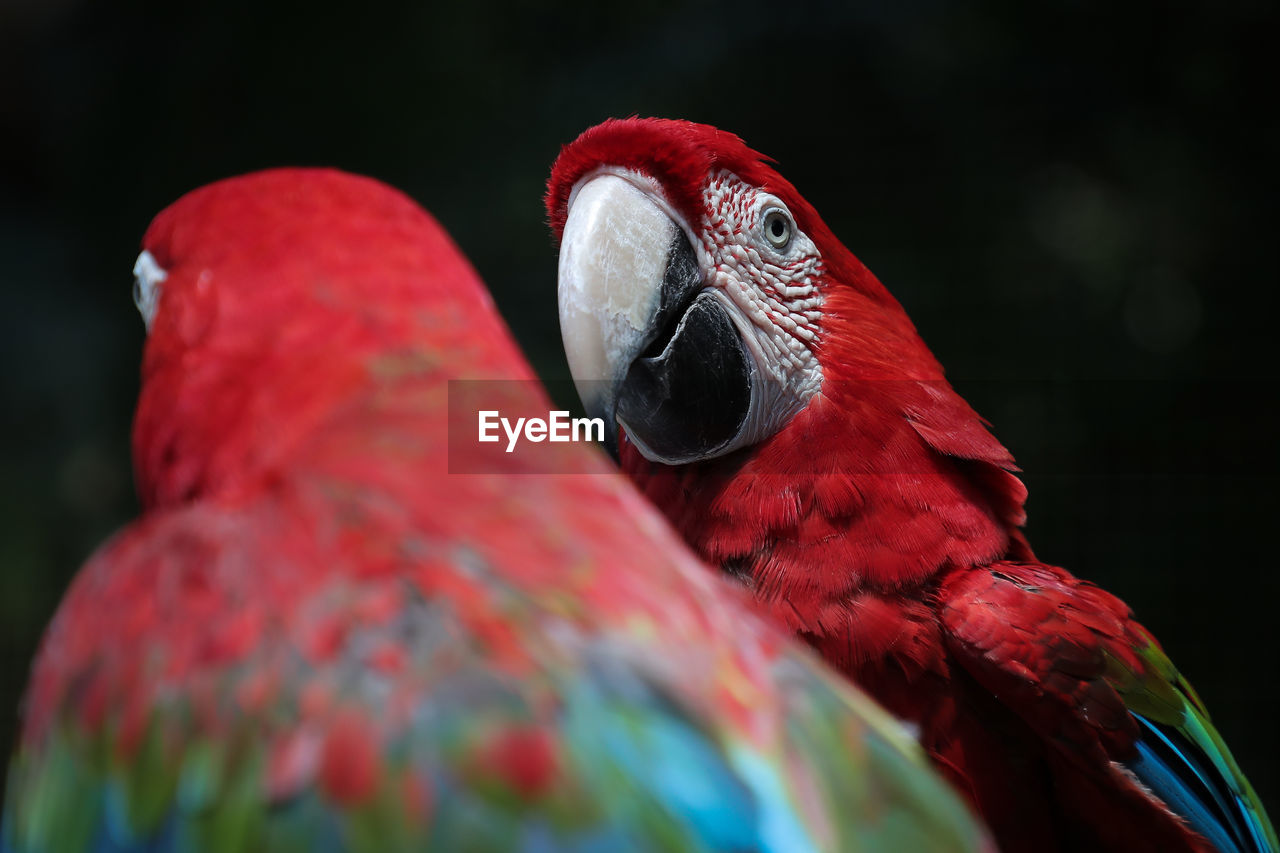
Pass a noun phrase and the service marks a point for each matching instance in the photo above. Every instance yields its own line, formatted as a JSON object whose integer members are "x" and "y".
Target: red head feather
{"x": 204, "y": 422}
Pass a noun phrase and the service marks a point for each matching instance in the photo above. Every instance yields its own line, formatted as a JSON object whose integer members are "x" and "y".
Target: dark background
{"x": 1075, "y": 201}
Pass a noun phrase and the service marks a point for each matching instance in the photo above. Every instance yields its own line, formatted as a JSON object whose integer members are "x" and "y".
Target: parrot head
{"x": 707, "y": 308}
{"x": 236, "y": 375}
{"x": 698, "y": 290}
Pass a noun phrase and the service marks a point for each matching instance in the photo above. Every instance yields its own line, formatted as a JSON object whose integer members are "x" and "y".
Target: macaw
{"x": 327, "y": 631}
{"x": 776, "y": 402}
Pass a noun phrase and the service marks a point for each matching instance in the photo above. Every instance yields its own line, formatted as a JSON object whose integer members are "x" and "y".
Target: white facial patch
{"x": 147, "y": 276}
{"x": 773, "y": 288}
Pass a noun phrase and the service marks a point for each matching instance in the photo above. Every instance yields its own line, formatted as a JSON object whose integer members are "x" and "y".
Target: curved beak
{"x": 649, "y": 348}
{"x": 622, "y": 260}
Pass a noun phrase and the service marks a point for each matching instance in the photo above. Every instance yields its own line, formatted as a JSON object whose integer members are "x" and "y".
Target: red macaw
{"x": 316, "y": 637}
{"x": 777, "y": 403}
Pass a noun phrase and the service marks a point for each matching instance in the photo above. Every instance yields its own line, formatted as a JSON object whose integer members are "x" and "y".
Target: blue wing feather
{"x": 1171, "y": 765}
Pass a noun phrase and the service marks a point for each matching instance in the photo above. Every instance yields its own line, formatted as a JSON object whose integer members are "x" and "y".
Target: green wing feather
{"x": 1158, "y": 693}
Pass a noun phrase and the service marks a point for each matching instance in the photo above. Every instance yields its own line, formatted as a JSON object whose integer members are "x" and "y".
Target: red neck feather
{"x": 885, "y": 478}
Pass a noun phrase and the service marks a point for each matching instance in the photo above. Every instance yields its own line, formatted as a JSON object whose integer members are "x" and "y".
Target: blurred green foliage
{"x": 1074, "y": 200}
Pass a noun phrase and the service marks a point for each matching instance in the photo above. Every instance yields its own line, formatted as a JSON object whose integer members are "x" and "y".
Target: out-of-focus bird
{"x": 777, "y": 403}
{"x": 326, "y": 632}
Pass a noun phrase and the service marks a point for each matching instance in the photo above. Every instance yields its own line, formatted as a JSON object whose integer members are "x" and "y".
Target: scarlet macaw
{"x": 317, "y": 638}
{"x": 777, "y": 403}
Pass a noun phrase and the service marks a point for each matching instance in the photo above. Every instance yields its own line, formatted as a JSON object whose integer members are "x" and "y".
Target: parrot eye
{"x": 777, "y": 228}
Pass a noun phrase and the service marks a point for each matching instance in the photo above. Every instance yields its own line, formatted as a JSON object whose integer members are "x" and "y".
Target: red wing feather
{"x": 1039, "y": 638}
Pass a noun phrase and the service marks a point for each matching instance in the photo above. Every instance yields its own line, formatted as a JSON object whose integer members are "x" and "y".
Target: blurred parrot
{"x": 326, "y": 633}
{"x": 777, "y": 403}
